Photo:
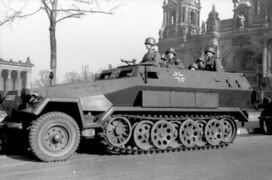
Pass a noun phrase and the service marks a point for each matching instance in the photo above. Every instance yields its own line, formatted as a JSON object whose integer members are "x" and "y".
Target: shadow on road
{"x": 20, "y": 150}
{"x": 89, "y": 146}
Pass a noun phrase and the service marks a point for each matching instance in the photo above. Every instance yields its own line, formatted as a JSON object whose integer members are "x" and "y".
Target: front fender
{"x": 69, "y": 106}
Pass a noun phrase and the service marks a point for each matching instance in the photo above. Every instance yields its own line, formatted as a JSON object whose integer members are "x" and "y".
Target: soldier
{"x": 152, "y": 56}
{"x": 171, "y": 60}
{"x": 210, "y": 63}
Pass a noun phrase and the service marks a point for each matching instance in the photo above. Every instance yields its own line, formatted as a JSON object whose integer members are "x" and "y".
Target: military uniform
{"x": 211, "y": 63}
{"x": 173, "y": 63}
{"x": 152, "y": 56}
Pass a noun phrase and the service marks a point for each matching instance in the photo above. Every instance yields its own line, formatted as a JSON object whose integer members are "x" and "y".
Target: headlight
{"x": 3, "y": 115}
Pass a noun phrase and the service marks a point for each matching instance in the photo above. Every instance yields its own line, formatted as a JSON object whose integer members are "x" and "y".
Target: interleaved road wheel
{"x": 54, "y": 136}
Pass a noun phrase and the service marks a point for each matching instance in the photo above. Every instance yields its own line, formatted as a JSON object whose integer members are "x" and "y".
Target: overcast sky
{"x": 95, "y": 40}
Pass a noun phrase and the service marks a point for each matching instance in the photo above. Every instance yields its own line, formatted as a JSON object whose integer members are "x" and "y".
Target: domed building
{"x": 243, "y": 43}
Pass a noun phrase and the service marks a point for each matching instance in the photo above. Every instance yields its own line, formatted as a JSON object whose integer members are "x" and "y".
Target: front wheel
{"x": 54, "y": 136}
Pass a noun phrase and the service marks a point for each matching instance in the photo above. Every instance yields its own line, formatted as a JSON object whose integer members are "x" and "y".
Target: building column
{"x": 264, "y": 62}
{"x": 18, "y": 81}
{"x": 8, "y": 81}
{"x": 186, "y": 15}
{"x": 28, "y": 79}
{"x": 168, "y": 20}
{"x": 268, "y": 60}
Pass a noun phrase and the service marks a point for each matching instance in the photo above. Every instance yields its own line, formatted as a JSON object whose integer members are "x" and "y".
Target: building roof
{"x": 27, "y": 62}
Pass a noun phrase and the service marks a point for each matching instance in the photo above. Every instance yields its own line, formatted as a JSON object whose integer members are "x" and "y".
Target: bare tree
{"x": 43, "y": 79}
{"x": 57, "y": 11}
{"x": 72, "y": 77}
{"x": 86, "y": 74}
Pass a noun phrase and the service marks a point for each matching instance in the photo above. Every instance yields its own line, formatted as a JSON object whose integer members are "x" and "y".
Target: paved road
{"x": 249, "y": 158}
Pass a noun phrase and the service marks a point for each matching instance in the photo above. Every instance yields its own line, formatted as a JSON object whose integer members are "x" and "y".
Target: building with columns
{"x": 244, "y": 42}
{"x": 15, "y": 75}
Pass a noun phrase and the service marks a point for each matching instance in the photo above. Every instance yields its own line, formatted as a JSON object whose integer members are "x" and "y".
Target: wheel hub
{"x": 229, "y": 129}
{"x": 162, "y": 134}
{"x": 214, "y": 132}
{"x": 141, "y": 135}
{"x": 189, "y": 133}
{"x": 118, "y": 131}
{"x": 55, "y": 138}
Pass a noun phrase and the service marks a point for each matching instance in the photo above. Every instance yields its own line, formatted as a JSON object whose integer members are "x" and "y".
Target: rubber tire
{"x": 39, "y": 125}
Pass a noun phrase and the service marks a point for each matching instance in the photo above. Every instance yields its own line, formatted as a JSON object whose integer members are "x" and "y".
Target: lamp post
{"x": 85, "y": 70}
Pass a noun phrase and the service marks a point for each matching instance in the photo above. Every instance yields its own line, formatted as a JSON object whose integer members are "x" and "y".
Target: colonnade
{"x": 14, "y": 79}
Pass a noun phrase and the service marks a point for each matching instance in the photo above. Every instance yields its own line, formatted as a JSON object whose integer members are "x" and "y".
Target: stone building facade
{"x": 244, "y": 42}
{"x": 15, "y": 75}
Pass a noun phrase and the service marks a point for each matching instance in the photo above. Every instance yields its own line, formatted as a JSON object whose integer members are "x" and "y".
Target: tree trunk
{"x": 53, "y": 50}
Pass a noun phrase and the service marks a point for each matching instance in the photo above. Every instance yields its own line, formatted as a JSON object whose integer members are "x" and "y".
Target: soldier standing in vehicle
{"x": 152, "y": 56}
{"x": 171, "y": 60}
{"x": 210, "y": 63}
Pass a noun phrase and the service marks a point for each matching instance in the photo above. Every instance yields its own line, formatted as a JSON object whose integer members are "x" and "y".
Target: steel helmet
{"x": 210, "y": 49}
{"x": 193, "y": 66}
{"x": 150, "y": 40}
{"x": 171, "y": 50}
{"x": 199, "y": 59}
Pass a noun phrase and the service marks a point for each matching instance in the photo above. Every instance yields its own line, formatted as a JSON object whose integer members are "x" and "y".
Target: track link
{"x": 131, "y": 149}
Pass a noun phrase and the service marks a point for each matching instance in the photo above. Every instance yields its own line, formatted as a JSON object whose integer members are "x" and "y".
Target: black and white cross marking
{"x": 180, "y": 77}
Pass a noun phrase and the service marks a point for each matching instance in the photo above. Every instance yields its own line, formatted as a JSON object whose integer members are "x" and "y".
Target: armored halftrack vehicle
{"x": 134, "y": 109}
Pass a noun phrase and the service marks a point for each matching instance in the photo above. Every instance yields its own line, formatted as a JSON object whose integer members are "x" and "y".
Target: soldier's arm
{"x": 179, "y": 64}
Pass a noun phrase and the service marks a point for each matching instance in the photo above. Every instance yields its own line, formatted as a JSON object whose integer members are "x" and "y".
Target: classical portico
{"x": 15, "y": 75}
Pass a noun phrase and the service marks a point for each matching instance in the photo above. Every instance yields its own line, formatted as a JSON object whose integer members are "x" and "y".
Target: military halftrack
{"x": 131, "y": 109}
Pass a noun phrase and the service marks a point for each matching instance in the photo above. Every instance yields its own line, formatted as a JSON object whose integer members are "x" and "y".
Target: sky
{"x": 96, "y": 40}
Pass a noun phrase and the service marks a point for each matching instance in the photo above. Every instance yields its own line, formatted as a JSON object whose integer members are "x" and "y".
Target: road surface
{"x": 249, "y": 158}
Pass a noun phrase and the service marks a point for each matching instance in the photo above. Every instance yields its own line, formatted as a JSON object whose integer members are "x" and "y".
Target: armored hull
{"x": 137, "y": 108}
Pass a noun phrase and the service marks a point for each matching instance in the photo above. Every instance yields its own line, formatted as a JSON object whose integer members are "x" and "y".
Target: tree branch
{"x": 70, "y": 16}
{"x": 46, "y": 8}
{"x": 77, "y": 15}
{"x": 83, "y": 11}
{"x": 17, "y": 14}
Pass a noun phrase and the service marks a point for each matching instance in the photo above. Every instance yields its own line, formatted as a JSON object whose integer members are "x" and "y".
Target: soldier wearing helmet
{"x": 210, "y": 62}
{"x": 152, "y": 56}
{"x": 193, "y": 66}
{"x": 171, "y": 60}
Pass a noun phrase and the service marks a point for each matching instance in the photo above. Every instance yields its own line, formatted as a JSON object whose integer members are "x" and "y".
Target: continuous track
{"x": 128, "y": 146}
